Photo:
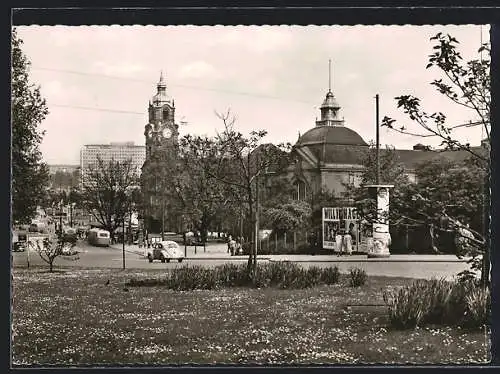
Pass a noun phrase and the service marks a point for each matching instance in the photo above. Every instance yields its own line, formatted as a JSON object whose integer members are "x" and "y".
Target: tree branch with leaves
{"x": 467, "y": 84}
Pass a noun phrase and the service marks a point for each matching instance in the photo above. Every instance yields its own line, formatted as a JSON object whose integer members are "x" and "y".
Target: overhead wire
{"x": 100, "y": 109}
{"x": 173, "y": 85}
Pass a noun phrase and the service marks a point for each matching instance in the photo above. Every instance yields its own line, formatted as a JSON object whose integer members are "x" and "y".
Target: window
{"x": 300, "y": 190}
{"x": 166, "y": 114}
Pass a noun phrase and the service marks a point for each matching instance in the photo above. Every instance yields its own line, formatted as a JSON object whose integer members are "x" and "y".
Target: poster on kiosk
{"x": 341, "y": 230}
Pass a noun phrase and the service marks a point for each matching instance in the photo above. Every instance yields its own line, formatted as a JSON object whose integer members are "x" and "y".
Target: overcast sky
{"x": 98, "y": 80}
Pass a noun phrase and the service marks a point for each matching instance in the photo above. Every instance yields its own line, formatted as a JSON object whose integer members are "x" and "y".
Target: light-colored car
{"x": 165, "y": 251}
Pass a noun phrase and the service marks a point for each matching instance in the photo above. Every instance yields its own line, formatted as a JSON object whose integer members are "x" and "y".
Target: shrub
{"x": 193, "y": 277}
{"x": 424, "y": 301}
{"x": 313, "y": 276}
{"x": 284, "y": 275}
{"x": 330, "y": 275}
{"x": 477, "y": 307}
{"x": 232, "y": 275}
{"x": 437, "y": 296}
{"x": 405, "y": 310}
{"x": 438, "y": 302}
{"x": 357, "y": 277}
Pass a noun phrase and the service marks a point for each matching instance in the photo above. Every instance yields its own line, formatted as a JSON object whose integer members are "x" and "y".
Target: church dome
{"x": 336, "y": 135}
{"x": 333, "y": 145}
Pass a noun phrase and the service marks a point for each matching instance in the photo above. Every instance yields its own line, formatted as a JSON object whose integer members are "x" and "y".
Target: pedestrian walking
{"x": 229, "y": 244}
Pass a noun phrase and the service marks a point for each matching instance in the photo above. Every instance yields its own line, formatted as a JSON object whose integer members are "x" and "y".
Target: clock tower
{"x": 161, "y": 132}
{"x": 161, "y": 212}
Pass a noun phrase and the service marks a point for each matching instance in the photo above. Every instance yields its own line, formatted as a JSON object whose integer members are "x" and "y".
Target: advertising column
{"x": 381, "y": 238}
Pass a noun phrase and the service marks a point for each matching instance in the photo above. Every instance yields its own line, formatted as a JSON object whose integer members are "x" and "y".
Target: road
{"x": 411, "y": 266}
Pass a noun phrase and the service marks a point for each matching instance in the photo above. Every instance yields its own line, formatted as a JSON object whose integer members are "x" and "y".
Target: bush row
{"x": 440, "y": 302}
{"x": 284, "y": 275}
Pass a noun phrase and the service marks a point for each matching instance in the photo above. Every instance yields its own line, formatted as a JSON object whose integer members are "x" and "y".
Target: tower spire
{"x": 161, "y": 83}
{"x": 329, "y": 75}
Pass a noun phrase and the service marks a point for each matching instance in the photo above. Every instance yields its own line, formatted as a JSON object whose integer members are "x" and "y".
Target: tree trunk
{"x": 51, "y": 265}
{"x": 486, "y": 266}
{"x": 251, "y": 250}
{"x": 256, "y": 244}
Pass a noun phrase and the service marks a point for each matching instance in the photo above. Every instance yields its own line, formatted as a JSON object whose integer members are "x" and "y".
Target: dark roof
{"x": 354, "y": 154}
{"x": 331, "y": 135}
{"x": 412, "y": 158}
{"x": 338, "y": 154}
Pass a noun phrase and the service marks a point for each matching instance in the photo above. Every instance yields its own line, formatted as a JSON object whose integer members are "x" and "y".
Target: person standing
{"x": 229, "y": 239}
{"x": 350, "y": 238}
{"x": 339, "y": 243}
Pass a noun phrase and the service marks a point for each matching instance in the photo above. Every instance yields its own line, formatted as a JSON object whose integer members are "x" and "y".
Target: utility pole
{"x": 123, "y": 244}
{"x": 256, "y": 221}
{"x": 60, "y": 220}
{"x": 162, "y": 218}
{"x": 377, "y": 157}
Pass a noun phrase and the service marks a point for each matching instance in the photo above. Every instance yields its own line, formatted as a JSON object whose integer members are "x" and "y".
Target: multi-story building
{"x": 120, "y": 151}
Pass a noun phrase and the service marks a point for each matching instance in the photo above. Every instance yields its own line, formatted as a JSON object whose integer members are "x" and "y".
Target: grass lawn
{"x": 73, "y": 318}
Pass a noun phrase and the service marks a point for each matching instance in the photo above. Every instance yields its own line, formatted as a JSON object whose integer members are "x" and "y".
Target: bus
{"x": 99, "y": 238}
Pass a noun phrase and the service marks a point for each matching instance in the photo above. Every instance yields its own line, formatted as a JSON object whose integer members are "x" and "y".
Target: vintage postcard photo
{"x": 250, "y": 195}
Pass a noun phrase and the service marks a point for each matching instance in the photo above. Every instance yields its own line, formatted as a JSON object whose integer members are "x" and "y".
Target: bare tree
{"x": 50, "y": 249}
{"x": 242, "y": 161}
{"x": 105, "y": 189}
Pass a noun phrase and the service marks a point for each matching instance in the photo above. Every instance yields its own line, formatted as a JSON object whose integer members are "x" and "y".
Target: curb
{"x": 227, "y": 258}
{"x": 193, "y": 258}
{"x": 370, "y": 260}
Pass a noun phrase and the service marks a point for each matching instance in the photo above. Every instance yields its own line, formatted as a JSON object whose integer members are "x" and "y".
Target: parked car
{"x": 165, "y": 251}
{"x": 19, "y": 246}
{"x": 20, "y": 241}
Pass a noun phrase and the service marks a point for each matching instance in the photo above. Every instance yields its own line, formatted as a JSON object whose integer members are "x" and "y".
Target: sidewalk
{"x": 210, "y": 252}
{"x": 364, "y": 258}
{"x": 219, "y": 252}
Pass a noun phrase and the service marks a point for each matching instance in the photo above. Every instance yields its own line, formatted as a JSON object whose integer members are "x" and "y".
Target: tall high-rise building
{"x": 119, "y": 151}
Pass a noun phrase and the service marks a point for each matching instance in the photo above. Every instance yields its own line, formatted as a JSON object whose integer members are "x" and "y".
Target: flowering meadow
{"x": 89, "y": 317}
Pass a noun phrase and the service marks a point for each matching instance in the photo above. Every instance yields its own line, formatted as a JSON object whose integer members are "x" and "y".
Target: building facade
{"x": 329, "y": 156}
{"x": 120, "y": 151}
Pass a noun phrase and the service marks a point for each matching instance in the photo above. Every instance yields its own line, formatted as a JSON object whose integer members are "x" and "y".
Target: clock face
{"x": 167, "y": 133}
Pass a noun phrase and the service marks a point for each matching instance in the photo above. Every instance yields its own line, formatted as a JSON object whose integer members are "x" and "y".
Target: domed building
{"x": 328, "y": 156}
